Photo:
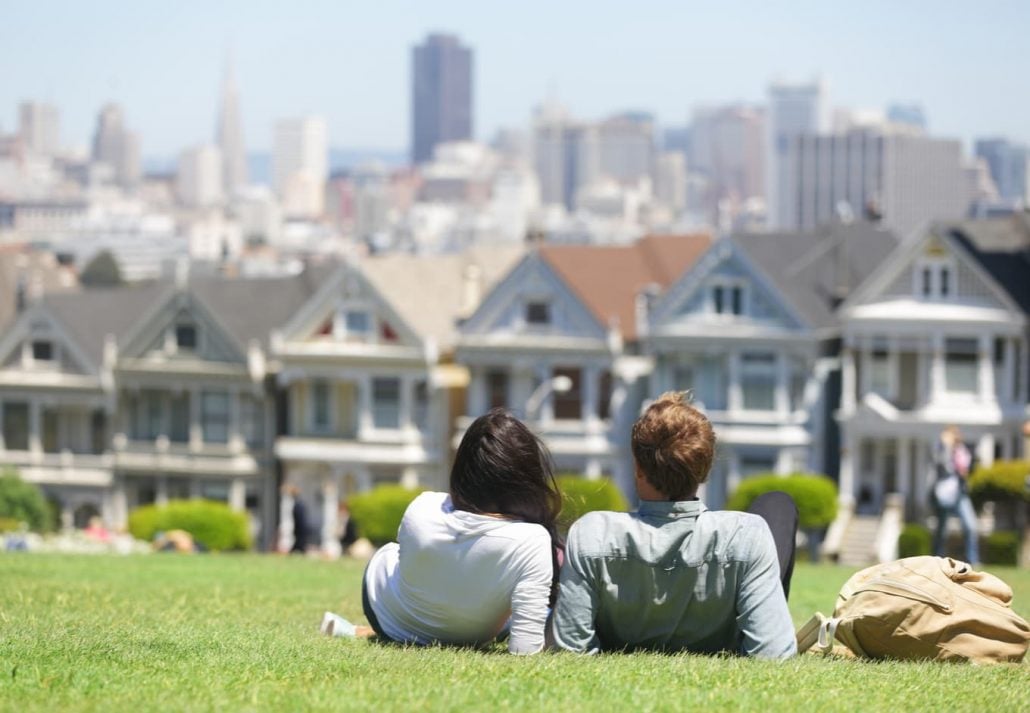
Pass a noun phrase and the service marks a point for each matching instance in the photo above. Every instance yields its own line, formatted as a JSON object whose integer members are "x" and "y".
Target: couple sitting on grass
{"x": 485, "y": 560}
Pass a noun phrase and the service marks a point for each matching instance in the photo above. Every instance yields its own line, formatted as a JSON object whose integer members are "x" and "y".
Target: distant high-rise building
{"x": 39, "y": 127}
{"x": 300, "y": 166}
{"x": 230, "y": 137}
{"x": 903, "y": 179}
{"x": 671, "y": 180}
{"x": 911, "y": 115}
{"x": 626, "y": 147}
{"x": 441, "y": 94}
{"x": 794, "y": 109}
{"x": 676, "y": 138}
{"x": 566, "y": 155}
{"x": 727, "y": 145}
{"x": 198, "y": 179}
{"x": 116, "y": 146}
{"x": 1009, "y": 164}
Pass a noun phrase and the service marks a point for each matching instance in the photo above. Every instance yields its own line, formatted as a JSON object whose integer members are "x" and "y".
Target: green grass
{"x": 169, "y": 632}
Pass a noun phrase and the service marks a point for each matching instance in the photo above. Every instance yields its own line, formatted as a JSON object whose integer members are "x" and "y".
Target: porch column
{"x": 546, "y": 412}
{"x": 119, "y": 505}
{"x": 330, "y": 513}
{"x": 407, "y": 386}
{"x": 985, "y": 449}
{"x": 196, "y": 427}
{"x": 904, "y": 466}
{"x": 161, "y": 494}
{"x": 736, "y": 400}
{"x": 285, "y": 540}
{"x": 238, "y": 494}
{"x": 364, "y": 406}
{"x": 847, "y": 467}
{"x": 985, "y": 362}
{"x": 409, "y": 477}
{"x": 235, "y": 428}
{"x": 35, "y": 435}
{"x": 591, "y": 377}
{"x": 937, "y": 383}
{"x": 781, "y": 397}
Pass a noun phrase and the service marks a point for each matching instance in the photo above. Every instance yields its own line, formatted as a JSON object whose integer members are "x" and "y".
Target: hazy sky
{"x": 966, "y": 63}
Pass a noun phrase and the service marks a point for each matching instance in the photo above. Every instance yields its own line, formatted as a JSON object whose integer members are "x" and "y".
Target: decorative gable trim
{"x": 21, "y": 330}
{"x": 166, "y": 311}
{"x": 696, "y": 278}
{"x": 533, "y": 281}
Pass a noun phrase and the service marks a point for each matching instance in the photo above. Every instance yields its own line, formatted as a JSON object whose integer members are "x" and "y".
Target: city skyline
{"x": 661, "y": 62}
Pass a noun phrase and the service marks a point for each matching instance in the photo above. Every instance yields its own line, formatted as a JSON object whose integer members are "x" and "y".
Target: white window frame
{"x": 313, "y": 425}
{"x": 727, "y": 285}
{"x": 343, "y": 334}
{"x": 545, "y": 300}
{"x": 937, "y": 267}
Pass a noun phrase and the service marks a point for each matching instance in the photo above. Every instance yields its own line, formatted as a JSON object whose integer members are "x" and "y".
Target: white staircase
{"x": 858, "y": 545}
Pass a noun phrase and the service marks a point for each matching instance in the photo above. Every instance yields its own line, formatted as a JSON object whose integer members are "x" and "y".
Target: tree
{"x": 23, "y": 502}
{"x": 102, "y": 271}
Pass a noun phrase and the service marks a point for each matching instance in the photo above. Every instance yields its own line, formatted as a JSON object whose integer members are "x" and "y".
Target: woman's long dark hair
{"x": 502, "y": 468}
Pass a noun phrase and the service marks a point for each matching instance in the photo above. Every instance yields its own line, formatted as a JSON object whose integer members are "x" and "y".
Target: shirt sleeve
{"x": 573, "y": 627}
{"x": 529, "y": 599}
{"x": 762, "y": 616}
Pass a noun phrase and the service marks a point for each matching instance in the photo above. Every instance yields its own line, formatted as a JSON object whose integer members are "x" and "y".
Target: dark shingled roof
{"x": 1002, "y": 247}
{"x": 813, "y": 271}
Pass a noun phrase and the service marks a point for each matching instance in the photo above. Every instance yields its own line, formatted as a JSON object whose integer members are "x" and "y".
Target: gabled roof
{"x": 607, "y": 279}
{"x": 813, "y": 271}
{"x": 1002, "y": 247}
{"x": 431, "y": 292}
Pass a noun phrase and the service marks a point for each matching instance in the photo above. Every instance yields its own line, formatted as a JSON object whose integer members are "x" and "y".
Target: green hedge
{"x": 212, "y": 524}
{"x": 914, "y": 541}
{"x": 815, "y": 495}
{"x": 1003, "y": 480}
{"x": 377, "y": 512}
{"x": 1001, "y": 548}
{"x": 581, "y": 495}
{"x": 24, "y": 502}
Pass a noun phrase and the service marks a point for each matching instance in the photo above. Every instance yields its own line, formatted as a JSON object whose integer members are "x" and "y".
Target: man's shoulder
{"x": 598, "y": 524}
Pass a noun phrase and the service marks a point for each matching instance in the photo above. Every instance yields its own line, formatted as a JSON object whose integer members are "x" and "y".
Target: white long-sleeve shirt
{"x": 455, "y": 577}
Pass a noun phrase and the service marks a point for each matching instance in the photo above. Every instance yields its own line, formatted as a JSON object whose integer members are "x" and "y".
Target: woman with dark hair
{"x": 469, "y": 562}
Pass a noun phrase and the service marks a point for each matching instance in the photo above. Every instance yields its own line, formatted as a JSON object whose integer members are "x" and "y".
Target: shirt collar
{"x": 672, "y": 508}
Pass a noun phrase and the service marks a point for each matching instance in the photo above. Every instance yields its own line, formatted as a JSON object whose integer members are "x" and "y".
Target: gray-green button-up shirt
{"x": 673, "y": 576}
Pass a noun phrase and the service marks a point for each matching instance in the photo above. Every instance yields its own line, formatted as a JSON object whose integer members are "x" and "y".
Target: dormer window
{"x": 42, "y": 350}
{"x": 357, "y": 322}
{"x": 185, "y": 337}
{"x": 935, "y": 279}
{"x": 727, "y": 298}
{"x": 538, "y": 313}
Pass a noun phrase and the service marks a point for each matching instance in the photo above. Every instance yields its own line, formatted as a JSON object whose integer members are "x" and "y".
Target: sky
{"x": 965, "y": 63}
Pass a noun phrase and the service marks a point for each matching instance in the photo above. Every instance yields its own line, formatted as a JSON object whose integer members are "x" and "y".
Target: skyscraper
{"x": 230, "y": 137}
{"x": 39, "y": 127}
{"x": 1009, "y": 164}
{"x": 441, "y": 94}
{"x": 794, "y": 109}
{"x": 300, "y": 166}
{"x": 198, "y": 179}
{"x": 116, "y": 146}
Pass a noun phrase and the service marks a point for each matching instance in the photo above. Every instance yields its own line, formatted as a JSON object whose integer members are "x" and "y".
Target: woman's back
{"x": 456, "y": 576}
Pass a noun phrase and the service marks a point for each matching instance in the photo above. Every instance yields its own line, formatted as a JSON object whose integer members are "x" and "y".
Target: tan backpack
{"x": 928, "y": 608}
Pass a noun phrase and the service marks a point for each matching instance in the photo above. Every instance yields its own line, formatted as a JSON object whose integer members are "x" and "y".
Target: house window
{"x": 497, "y": 389}
{"x": 421, "y": 414}
{"x": 945, "y": 281}
{"x": 604, "y": 405}
{"x": 42, "y": 350}
{"x": 151, "y": 412}
{"x": 758, "y": 381}
{"x": 186, "y": 337}
{"x": 880, "y": 372}
{"x": 358, "y": 323}
{"x": 214, "y": 415}
{"x": 16, "y": 425}
{"x": 98, "y": 431}
{"x": 727, "y": 299}
{"x": 252, "y": 420}
{"x": 798, "y": 381}
{"x": 50, "y": 431}
{"x": 927, "y": 286}
{"x": 215, "y": 490}
{"x": 705, "y": 378}
{"x": 386, "y": 402}
{"x": 179, "y": 428}
{"x": 320, "y": 409}
{"x": 569, "y": 405}
{"x": 936, "y": 279}
{"x": 538, "y": 313}
{"x": 756, "y": 464}
{"x": 960, "y": 365}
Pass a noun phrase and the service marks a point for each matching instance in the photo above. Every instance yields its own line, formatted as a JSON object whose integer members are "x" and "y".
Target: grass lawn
{"x": 168, "y": 632}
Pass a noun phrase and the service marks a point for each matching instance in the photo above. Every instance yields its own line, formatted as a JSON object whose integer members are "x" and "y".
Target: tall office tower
{"x": 727, "y": 145}
{"x": 1009, "y": 164}
{"x": 39, "y": 127}
{"x": 671, "y": 180}
{"x": 794, "y": 109}
{"x": 300, "y": 166}
{"x": 198, "y": 178}
{"x": 626, "y": 147}
{"x": 903, "y": 179}
{"x": 566, "y": 155}
{"x": 441, "y": 94}
{"x": 230, "y": 137}
{"x": 116, "y": 146}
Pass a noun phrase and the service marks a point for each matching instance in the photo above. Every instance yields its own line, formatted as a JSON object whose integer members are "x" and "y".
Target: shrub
{"x": 1001, "y": 548}
{"x": 815, "y": 496}
{"x": 1003, "y": 480}
{"x": 914, "y": 541}
{"x": 212, "y": 524}
{"x": 581, "y": 495}
{"x": 23, "y": 502}
{"x": 377, "y": 512}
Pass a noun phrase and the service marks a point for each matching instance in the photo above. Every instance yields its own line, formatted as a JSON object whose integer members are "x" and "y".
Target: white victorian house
{"x": 937, "y": 336}
{"x": 749, "y": 332}
{"x": 566, "y": 317}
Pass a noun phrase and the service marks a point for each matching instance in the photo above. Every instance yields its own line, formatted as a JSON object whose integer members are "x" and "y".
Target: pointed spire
{"x": 230, "y": 134}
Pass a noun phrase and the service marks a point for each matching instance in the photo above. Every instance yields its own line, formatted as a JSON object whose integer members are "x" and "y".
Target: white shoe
{"x": 333, "y": 625}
